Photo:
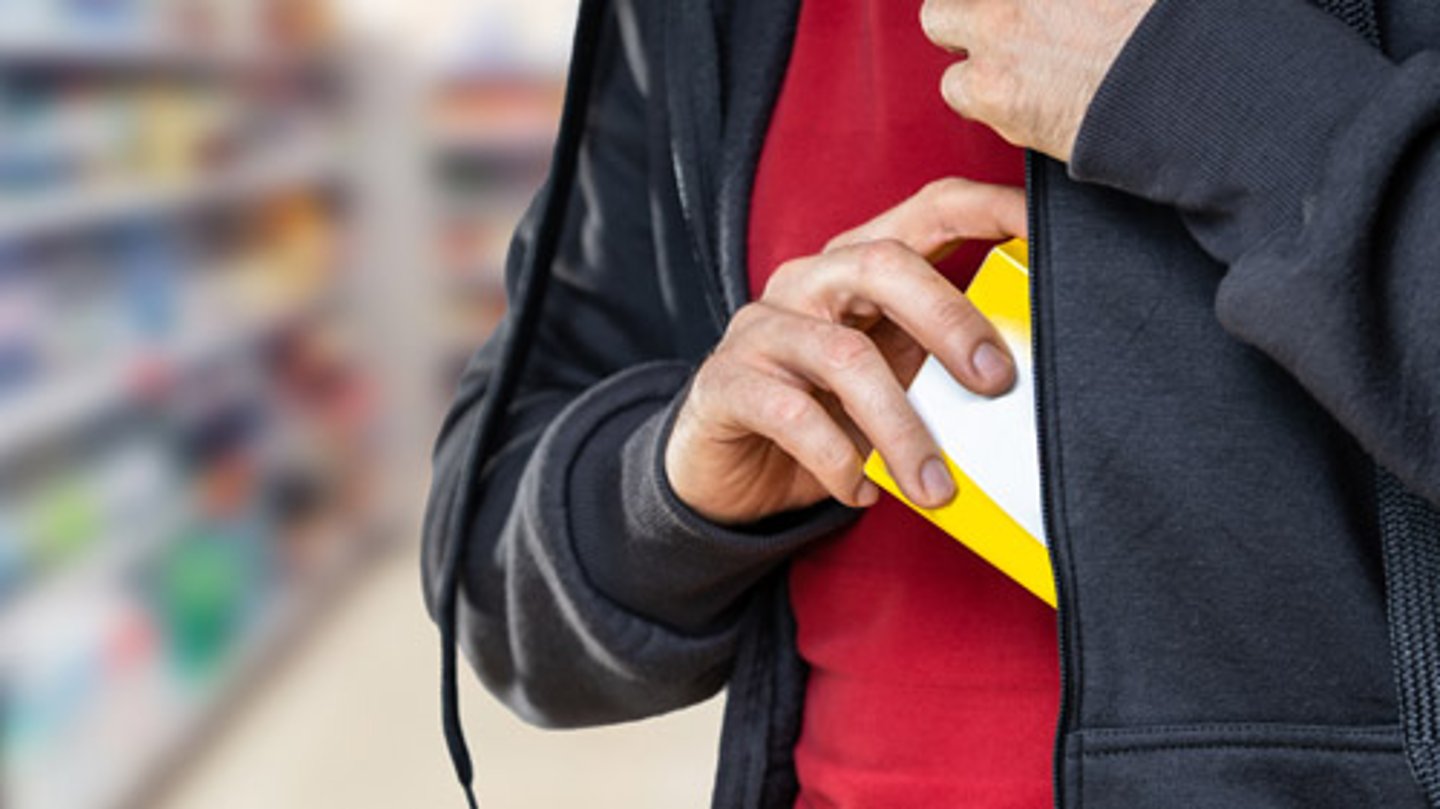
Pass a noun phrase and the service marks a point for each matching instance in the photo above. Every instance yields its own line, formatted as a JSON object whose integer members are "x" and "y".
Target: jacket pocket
{"x": 1240, "y": 766}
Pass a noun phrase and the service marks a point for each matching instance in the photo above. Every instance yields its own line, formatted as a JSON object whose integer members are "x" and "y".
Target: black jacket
{"x": 1237, "y": 291}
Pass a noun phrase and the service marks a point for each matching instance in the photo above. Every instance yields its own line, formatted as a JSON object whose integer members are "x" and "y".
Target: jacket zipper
{"x": 1035, "y": 186}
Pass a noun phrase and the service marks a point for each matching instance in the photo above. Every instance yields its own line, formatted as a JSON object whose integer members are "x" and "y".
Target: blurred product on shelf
{"x": 200, "y": 350}
{"x": 493, "y": 132}
{"x": 188, "y": 427}
{"x": 39, "y": 26}
{"x": 226, "y": 463}
{"x": 498, "y": 111}
{"x": 71, "y": 133}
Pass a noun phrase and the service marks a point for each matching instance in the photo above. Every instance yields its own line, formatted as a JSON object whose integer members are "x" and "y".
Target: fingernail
{"x": 936, "y": 480}
{"x": 867, "y": 494}
{"x": 992, "y": 364}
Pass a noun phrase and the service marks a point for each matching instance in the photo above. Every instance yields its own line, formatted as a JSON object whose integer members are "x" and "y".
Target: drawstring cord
{"x": 519, "y": 333}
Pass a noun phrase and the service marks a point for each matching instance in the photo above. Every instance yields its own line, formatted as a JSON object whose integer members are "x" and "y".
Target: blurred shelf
{"x": 46, "y": 411}
{"x": 52, "y": 590}
{"x": 299, "y": 165}
{"x": 80, "y": 397}
{"x": 284, "y": 621}
{"x": 227, "y": 338}
{"x": 285, "y": 616}
{"x": 486, "y": 282}
{"x": 464, "y": 344}
{"x": 500, "y": 208}
{"x": 17, "y": 49}
{"x": 532, "y": 143}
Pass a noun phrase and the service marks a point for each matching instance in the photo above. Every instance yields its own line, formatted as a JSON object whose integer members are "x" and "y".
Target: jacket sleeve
{"x": 1309, "y": 164}
{"x": 590, "y": 594}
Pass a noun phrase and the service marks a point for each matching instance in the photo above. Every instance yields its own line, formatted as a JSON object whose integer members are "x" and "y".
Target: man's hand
{"x": 811, "y": 376}
{"x": 1033, "y": 66}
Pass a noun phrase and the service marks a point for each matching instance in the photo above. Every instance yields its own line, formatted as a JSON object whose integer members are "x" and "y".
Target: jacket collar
{"x": 725, "y": 63}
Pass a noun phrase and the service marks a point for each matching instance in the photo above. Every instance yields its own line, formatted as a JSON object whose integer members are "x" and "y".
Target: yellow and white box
{"x": 990, "y": 443}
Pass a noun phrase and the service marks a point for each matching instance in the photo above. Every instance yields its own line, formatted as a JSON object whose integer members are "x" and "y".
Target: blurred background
{"x": 245, "y": 248}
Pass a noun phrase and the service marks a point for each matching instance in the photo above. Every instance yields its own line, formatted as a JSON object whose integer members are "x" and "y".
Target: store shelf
{"x": 500, "y": 142}
{"x": 80, "y": 397}
{"x": 17, "y": 50}
{"x": 284, "y": 622}
{"x": 136, "y": 771}
{"x": 199, "y": 459}
{"x": 302, "y": 164}
{"x": 46, "y": 411}
{"x": 100, "y": 568}
{"x": 483, "y": 281}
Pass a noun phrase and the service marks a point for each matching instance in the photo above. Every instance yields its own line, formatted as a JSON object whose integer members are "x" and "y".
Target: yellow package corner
{"x": 1001, "y": 291}
{"x": 1001, "y": 288}
{"x": 979, "y": 524}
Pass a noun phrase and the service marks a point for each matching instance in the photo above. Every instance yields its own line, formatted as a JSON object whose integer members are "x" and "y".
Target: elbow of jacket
{"x": 583, "y": 697}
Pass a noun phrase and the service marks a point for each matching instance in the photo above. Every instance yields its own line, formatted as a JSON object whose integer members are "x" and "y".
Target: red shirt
{"x": 934, "y": 678}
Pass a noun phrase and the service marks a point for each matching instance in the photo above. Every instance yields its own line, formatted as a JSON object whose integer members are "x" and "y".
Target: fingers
{"x": 944, "y": 24}
{"x": 943, "y": 213}
{"x": 818, "y": 367}
{"x": 886, "y": 278}
{"x": 977, "y": 91}
{"x": 805, "y": 351}
{"x": 972, "y": 27}
{"x": 795, "y": 421}
{"x": 900, "y": 349}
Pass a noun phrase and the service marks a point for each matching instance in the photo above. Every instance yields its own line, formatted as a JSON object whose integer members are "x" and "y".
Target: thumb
{"x": 944, "y": 213}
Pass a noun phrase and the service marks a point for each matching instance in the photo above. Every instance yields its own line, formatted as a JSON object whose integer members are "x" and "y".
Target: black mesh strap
{"x": 1358, "y": 14}
{"x": 1410, "y": 533}
{"x": 1410, "y": 536}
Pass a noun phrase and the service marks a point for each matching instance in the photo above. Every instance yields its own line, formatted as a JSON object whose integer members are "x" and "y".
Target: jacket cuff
{"x": 642, "y": 547}
{"x": 1226, "y": 109}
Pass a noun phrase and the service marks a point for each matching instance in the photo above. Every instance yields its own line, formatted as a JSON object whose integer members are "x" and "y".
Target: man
{"x": 1235, "y": 312}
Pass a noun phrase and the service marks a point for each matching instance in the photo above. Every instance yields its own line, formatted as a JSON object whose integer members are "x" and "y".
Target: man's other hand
{"x": 1030, "y": 68}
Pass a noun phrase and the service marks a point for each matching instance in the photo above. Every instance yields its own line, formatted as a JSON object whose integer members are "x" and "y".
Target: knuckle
{"x": 836, "y": 460}
{"x": 900, "y": 427}
{"x": 945, "y": 188}
{"x": 787, "y": 410}
{"x": 717, "y": 373}
{"x": 956, "y": 315}
{"x": 880, "y": 255}
{"x": 954, "y": 86}
{"x": 744, "y": 319}
{"x": 932, "y": 21}
{"x": 994, "y": 21}
{"x": 947, "y": 199}
{"x": 983, "y": 24}
{"x": 710, "y": 385}
{"x": 990, "y": 90}
{"x": 840, "y": 240}
{"x": 779, "y": 280}
{"x": 982, "y": 86}
{"x": 846, "y": 349}
{"x": 911, "y": 443}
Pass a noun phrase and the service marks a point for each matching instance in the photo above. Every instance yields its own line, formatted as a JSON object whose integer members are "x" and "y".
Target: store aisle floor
{"x": 351, "y": 720}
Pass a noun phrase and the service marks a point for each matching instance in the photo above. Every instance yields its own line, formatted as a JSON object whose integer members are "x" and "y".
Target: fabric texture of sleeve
{"x": 589, "y": 594}
{"x": 1308, "y": 163}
